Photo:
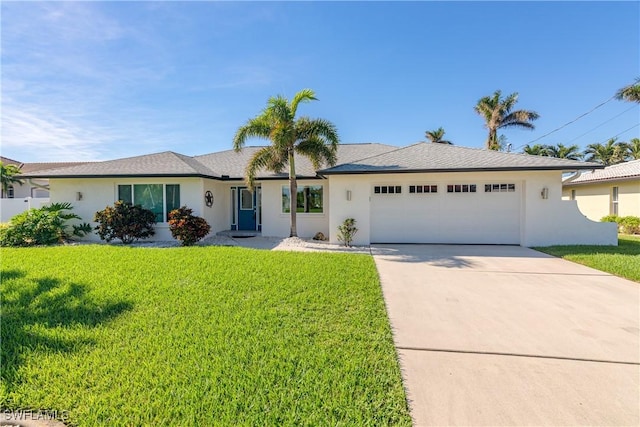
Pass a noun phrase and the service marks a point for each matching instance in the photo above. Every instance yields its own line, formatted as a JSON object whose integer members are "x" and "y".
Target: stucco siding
{"x": 277, "y": 223}
{"x": 97, "y": 193}
{"x": 594, "y": 200}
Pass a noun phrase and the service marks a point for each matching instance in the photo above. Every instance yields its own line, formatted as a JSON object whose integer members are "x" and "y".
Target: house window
{"x": 421, "y": 189}
{"x": 308, "y": 200}
{"x": 10, "y": 192}
{"x": 387, "y": 189}
{"x": 614, "y": 200}
{"x": 499, "y": 188}
{"x": 461, "y": 188}
{"x": 158, "y": 198}
{"x": 573, "y": 194}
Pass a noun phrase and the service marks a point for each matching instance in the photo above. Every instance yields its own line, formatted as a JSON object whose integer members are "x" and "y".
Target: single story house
{"x": 422, "y": 193}
{"x": 614, "y": 190}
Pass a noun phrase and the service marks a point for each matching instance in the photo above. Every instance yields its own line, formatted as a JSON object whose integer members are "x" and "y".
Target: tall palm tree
{"x": 536, "y": 149}
{"x": 8, "y": 177}
{"x": 436, "y": 136}
{"x": 497, "y": 113}
{"x": 610, "y": 153}
{"x": 630, "y": 93}
{"x": 633, "y": 149}
{"x": 561, "y": 151}
{"x": 316, "y": 139}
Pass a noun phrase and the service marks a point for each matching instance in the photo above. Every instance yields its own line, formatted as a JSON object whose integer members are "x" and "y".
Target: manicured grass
{"x": 197, "y": 336}
{"x": 623, "y": 260}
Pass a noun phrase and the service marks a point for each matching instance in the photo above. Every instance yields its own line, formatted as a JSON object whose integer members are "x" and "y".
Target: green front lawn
{"x": 197, "y": 336}
{"x": 622, "y": 260}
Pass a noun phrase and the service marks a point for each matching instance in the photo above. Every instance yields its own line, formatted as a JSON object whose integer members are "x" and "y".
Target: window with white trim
{"x": 499, "y": 188}
{"x": 573, "y": 194}
{"x": 423, "y": 189}
{"x": 614, "y": 200}
{"x": 309, "y": 199}
{"x": 461, "y": 188}
{"x": 387, "y": 189}
{"x": 158, "y": 198}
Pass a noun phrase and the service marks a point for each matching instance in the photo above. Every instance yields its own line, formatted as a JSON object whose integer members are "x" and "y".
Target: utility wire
{"x": 624, "y": 131}
{"x": 602, "y": 124}
{"x": 572, "y": 121}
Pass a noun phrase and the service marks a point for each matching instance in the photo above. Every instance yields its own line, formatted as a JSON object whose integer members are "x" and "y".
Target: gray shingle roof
{"x": 429, "y": 157}
{"x": 233, "y": 164}
{"x": 160, "y": 164}
{"x": 622, "y": 171}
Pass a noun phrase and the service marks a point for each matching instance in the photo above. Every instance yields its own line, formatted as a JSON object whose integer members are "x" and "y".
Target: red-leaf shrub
{"x": 186, "y": 227}
{"x": 125, "y": 221}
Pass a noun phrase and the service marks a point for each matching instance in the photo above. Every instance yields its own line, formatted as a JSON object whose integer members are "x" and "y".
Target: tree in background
{"x": 571, "y": 152}
{"x": 8, "y": 177}
{"x": 316, "y": 139}
{"x": 536, "y": 149}
{"x": 610, "y": 153}
{"x": 633, "y": 149}
{"x": 497, "y": 113}
{"x": 630, "y": 93}
{"x": 436, "y": 136}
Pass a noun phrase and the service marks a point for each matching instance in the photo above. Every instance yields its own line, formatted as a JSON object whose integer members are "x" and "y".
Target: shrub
{"x": 125, "y": 221}
{"x": 611, "y": 218}
{"x": 346, "y": 231}
{"x": 44, "y": 226}
{"x": 186, "y": 227}
{"x": 630, "y": 225}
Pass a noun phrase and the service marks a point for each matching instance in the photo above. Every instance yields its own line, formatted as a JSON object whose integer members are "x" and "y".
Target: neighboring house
{"x": 423, "y": 193}
{"x": 614, "y": 190}
{"x": 36, "y": 188}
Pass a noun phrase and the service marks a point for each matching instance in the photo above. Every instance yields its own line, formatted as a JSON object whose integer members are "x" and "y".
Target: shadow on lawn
{"x": 38, "y": 315}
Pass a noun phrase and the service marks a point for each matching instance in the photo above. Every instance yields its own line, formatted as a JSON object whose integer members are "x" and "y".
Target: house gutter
{"x": 576, "y": 174}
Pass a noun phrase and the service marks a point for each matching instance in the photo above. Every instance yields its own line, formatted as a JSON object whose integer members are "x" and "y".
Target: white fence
{"x": 12, "y": 207}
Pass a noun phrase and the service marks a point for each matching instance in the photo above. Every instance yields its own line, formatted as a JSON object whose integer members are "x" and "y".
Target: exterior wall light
{"x": 544, "y": 193}
{"x": 349, "y": 195}
{"x": 78, "y": 196}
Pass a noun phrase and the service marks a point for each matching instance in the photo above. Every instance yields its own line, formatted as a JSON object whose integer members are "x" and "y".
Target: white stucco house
{"x": 422, "y": 193}
{"x": 614, "y": 190}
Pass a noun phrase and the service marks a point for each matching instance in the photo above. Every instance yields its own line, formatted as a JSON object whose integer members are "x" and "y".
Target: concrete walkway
{"x": 501, "y": 335}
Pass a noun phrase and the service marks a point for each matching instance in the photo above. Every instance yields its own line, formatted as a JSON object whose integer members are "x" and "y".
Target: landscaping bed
{"x": 197, "y": 336}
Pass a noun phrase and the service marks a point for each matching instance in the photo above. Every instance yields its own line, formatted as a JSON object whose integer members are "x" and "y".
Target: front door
{"x": 248, "y": 206}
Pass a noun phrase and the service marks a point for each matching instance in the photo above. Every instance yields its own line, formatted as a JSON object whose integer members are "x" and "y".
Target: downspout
{"x": 572, "y": 177}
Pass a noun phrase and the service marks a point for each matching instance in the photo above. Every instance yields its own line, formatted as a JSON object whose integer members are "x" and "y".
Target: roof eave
{"x": 603, "y": 180}
{"x": 173, "y": 175}
{"x": 489, "y": 169}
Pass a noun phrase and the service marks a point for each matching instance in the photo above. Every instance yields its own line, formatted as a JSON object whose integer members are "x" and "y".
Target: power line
{"x": 624, "y": 131}
{"x": 603, "y": 123}
{"x": 572, "y": 121}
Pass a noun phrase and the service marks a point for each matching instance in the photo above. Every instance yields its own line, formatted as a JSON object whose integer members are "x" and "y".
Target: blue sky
{"x": 103, "y": 80}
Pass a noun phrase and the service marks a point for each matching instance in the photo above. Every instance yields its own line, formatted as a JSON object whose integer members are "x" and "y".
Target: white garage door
{"x": 446, "y": 213}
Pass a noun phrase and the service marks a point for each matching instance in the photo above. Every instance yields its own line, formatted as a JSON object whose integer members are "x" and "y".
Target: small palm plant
{"x": 437, "y": 136}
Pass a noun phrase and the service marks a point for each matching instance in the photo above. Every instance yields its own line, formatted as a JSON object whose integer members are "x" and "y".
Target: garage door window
{"x": 499, "y": 188}
{"x": 387, "y": 189}
{"x": 422, "y": 189}
{"x": 461, "y": 188}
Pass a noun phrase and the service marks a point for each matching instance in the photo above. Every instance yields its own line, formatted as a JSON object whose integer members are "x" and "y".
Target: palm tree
{"x": 608, "y": 154}
{"x": 630, "y": 93}
{"x": 561, "y": 151}
{"x": 8, "y": 177}
{"x": 633, "y": 149}
{"x": 316, "y": 139}
{"x": 536, "y": 150}
{"x": 435, "y": 136}
{"x": 497, "y": 114}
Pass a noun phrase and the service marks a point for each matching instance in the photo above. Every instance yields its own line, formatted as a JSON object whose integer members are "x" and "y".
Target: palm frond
{"x": 267, "y": 158}
{"x": 257, "y": 127}
{"x": 305, "y": 95}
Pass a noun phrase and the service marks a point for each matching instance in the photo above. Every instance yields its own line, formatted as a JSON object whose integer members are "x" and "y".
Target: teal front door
{"x": 248, "y": 208}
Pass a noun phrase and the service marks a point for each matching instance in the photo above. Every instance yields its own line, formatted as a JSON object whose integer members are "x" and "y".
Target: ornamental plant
{"x": 346, "y": 231}
{"x": 44, "y": 226}
{"x": 186, "y": 227}
{"x": 125, "y": 221}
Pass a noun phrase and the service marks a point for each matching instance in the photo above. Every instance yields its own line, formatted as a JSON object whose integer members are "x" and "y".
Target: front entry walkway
{"x": 505, "y": 335}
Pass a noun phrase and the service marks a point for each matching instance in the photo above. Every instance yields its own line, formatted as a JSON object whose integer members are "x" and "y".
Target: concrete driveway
{"x": 505, "y": 335}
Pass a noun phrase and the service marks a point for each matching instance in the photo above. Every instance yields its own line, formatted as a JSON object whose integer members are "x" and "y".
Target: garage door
{"x": 459, "y": 212}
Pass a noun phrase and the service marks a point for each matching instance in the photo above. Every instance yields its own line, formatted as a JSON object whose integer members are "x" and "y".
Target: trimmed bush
{"x": 125, "y": 221}
{"x": 611, "y": 218}
{"x": 44, "y": 226}
{"x": 630, "y": 225}
{"x": 186, "y": 227}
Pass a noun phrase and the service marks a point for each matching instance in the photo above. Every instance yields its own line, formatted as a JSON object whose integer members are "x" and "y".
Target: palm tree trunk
{"x": 293, "y": 192}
